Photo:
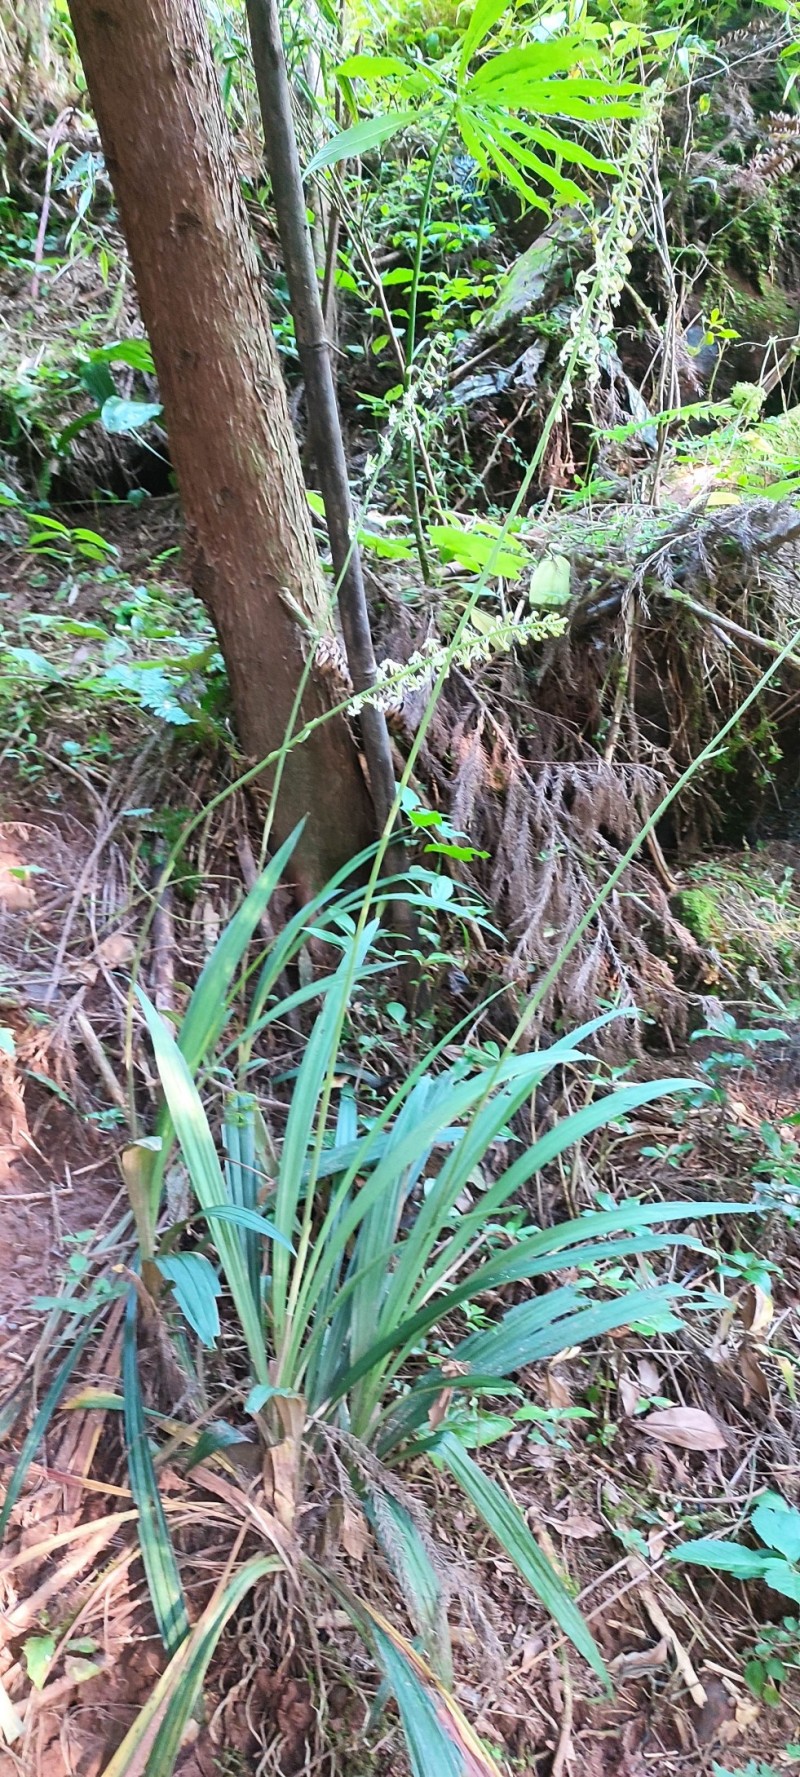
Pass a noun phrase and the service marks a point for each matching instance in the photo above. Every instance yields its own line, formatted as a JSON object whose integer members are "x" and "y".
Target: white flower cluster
{"x": 419, "y": 673}
{"x": 599, "y": 288}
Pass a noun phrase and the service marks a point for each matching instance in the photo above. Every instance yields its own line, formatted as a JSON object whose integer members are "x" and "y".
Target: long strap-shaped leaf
{"x": 40, "y": 1424}
{"x": 156, "y": 1734}
{"x": 440, "y": 1741}
{"x": 551, "y": 1249}
{"x": 158, "y": 1555}
{"x": 316, "y": 1067}
{"x": 598, "y": 1115}
{"x": 504, "y": 1519}
{"x": 207, "y": 1180}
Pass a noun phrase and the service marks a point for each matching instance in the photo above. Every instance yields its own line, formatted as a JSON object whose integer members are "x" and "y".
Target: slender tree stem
{"x": 413, "y": 492}
{"x": 283, "y": 162}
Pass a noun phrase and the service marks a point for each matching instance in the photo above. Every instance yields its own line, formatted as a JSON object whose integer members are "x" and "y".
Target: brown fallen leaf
{"x": 117, "y": 950}
{"x": 438, "y": 1407}
{"x": 558, "y": 1390}
{"x": 354, "y": 1532}
{"x": 630, "y": 1395}
{"x": 756, "y": 1309}
{"x": 751, "y": 1376}
{"x": 647, "y": 1659}
{"x": 656, "y": 1543}
{"x": 16, "y": 895}
{"x": 580, "y": 1527}
{"x": 688, "y": 1428}
{"x": 649, "y": 1376}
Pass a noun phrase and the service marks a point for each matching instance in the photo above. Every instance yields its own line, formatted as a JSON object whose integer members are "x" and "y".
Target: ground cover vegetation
{"x": 400, "y": 942}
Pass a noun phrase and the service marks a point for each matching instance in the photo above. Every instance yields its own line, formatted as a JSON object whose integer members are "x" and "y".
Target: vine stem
{"x": 413, "y": 492}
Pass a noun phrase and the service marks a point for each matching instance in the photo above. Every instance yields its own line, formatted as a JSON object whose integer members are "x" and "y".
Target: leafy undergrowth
{"x": 313, "y": 1521}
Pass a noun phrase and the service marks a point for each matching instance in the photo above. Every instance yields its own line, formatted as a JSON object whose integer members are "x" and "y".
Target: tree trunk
{"x": 157, "y": 102}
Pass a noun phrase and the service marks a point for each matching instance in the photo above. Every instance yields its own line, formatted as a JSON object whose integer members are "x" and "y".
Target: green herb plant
{"x": 343, "y": 1259}
{"x": 776, "y": 1563}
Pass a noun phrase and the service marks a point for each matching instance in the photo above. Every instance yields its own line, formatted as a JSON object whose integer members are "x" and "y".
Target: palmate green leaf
{"x": 362, "y": 138}
{"x": 501, "y": 77}
{"x": 205, "y": 1174}
{"x": 158, "y": 1555}
{"x": 504, "y": 1519}
{"x": 579, "y": 101}
{"x": 503, "y": 147}
{"x": 153, "y": 1742}
{"x": 485, "y": 16}
{"x": 568, "y": 150}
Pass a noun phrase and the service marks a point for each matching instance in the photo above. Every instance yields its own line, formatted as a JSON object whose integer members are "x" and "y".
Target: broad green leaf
{"x": 722, "y": 1557}
{"x": 361, "y": 139}
{"x": 778, "y": 1525}
{"x": 783, "y": 1578}
{"x": 363, "y": 67}
{"x": 158, "y": 1555}
{"x": 504, "y": 1519}
{"x": 474, "y": 550}
{"x": 196, "y": 1286}
{"x": 128, "y": 416}
{"x": 135, "y": 352}
{"x": 549, "y": 582}
{"x": 38, "y": 1653}
{"x": 96, "y": 377}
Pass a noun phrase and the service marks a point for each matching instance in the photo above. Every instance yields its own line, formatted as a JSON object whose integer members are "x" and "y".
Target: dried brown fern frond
{"x": 774, "y": 163}
{"x": 757, "y": 37}
{"x": 783, "y": 125}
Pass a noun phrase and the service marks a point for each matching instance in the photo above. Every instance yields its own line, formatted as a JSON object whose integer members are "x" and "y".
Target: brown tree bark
{"x": 156, "y": 98}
